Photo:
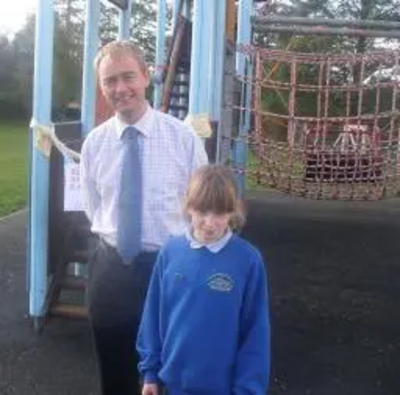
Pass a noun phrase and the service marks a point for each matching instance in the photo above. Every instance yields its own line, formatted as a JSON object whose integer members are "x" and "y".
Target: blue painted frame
{"x": 91, "y": 45}
{"x": 160, "y": 52}
{"x": 39, "y": 193}
{"x": 205, "y": 88}
{"x": 243, "y": 37}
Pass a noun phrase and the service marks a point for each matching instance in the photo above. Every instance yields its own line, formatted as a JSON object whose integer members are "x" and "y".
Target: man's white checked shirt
{"x": 170, "y": 152}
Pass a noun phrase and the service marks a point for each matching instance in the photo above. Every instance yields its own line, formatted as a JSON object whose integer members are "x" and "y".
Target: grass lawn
{"x": 13, "y": 165}
{"x": 14, "y": 161}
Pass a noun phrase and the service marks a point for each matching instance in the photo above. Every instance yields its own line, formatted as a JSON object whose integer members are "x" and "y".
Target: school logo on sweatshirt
{"x": 220, "y": 282}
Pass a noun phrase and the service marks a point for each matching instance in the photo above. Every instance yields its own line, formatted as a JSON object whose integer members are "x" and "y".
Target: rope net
{"x": 323, "y": 126}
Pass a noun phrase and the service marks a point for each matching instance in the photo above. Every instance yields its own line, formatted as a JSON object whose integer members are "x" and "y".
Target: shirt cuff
{"x": 150, "y": 378}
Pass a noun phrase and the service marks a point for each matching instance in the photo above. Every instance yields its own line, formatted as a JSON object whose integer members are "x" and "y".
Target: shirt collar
{"x": 145, "y": 124}
{"x": 214, "y": 247}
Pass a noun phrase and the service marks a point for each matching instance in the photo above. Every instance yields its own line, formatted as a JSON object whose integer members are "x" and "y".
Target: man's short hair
{"x": 118, "y": 48}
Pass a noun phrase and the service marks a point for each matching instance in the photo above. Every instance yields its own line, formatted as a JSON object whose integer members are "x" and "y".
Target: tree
{"x": 143, "y": 27}
{"x": 68, "y": 50}
{"x": 17, "y": 54}
{"x": 341, "y": 74}
{"x": 23, "y": 47}
{"x": 8, "y": 97}
{"x": 108, "y": 23}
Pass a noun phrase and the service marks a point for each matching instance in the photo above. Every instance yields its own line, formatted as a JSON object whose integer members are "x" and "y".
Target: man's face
{"x": 123, "y": 84}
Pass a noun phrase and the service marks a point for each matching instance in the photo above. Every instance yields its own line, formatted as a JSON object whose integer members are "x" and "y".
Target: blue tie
{"x": 130, "y": 198}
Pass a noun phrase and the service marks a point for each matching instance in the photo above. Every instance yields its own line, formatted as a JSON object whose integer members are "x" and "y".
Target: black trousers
{"x": 116, "y": 294}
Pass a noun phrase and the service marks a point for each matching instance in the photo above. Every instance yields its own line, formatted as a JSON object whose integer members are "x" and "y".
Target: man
{"x": 134, "y": 170}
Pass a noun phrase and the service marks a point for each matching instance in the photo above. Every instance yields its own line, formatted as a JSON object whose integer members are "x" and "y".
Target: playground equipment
{"x": 189, "y": 81}
{"x": 332, "y": 128}
{"x": 213, "y": 76}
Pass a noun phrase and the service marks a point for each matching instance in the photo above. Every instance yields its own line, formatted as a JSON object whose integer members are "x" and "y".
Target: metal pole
{"x": 88, "y": 104}
{"x": 186, "y": 8}
{"x": 247, "y": 115}
{"x": 175, "y": 11}
{"x": 211, "y": 77}
{"x": 218, "y": 71}
{"x": 326, "y": 31}
{"x": 198, "y": 94}
{"x": 243, "y": 38}
{"x": 125, "y": 21}
{"x": 184, "y": 77}
{"x": 219, "y": 59}
{"x": 39, "y": 208}
{"x": 91, "y": 47}
{"x": 285, "y": 20}
{"x": 243, "y": 32}
{"x": 160, "y": 51}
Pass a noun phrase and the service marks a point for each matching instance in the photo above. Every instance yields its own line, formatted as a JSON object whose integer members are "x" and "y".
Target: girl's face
{"x": 209, "y": 227}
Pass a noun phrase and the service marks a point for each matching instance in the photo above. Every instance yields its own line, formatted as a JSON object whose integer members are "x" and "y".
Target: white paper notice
{"x": 72, "y": 187}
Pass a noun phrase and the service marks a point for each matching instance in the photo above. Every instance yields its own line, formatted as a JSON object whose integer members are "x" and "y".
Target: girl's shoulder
{"x": 244, "y": 248}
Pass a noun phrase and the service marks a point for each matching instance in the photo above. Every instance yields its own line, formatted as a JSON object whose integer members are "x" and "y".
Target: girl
{"x": 205, "y": 327}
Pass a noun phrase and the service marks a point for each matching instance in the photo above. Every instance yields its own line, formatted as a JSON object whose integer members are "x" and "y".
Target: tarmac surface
{"x": 334, "y": 274}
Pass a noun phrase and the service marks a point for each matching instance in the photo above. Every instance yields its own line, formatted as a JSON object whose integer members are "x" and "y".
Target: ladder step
{"x": 177, "y": 107}
{"x": 181, "y": 83}
{"x": 183, "y": 68}
{"x": 73, "y": 282}
{"x": 68, "y": 311}
{"x": 179, "y": 95}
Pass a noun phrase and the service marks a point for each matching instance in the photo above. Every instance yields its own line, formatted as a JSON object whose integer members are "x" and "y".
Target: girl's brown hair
{"x": 212, "y": 188}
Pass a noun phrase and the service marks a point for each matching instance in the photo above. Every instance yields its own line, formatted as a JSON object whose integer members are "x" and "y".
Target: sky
{"x": 13, "y": 14}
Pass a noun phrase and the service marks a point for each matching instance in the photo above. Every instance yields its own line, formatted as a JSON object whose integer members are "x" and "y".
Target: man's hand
{"x": 150, "y": 389}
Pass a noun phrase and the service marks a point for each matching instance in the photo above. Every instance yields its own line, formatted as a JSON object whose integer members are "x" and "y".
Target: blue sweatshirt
{"x": 205, "y": 327}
